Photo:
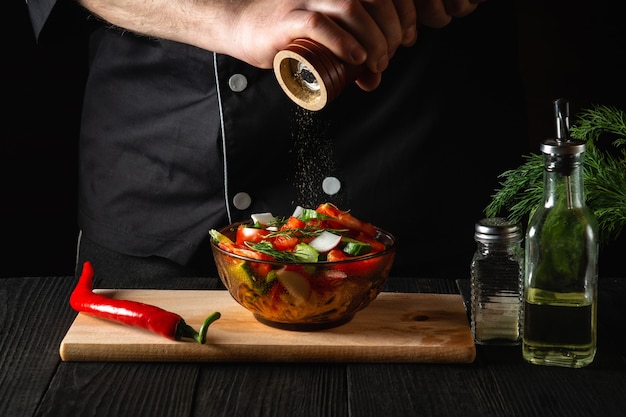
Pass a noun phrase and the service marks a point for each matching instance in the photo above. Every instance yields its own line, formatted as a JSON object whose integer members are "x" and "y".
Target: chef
{"x": 186, "y": 130}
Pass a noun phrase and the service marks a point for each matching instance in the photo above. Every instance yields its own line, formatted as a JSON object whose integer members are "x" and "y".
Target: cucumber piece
{"x": 307, "y": 213}
{"x": 306, "y": 253}
{"x": 258, "y": 283}
{"x": 355, "y": 248}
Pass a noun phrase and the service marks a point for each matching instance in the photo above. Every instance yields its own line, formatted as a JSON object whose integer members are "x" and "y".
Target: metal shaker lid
{"x": 493, "y": 229}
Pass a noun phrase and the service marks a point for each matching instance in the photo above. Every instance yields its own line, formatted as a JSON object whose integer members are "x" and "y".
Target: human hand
{"x": 358, "y": 32}
{"x": 438, "y": 13}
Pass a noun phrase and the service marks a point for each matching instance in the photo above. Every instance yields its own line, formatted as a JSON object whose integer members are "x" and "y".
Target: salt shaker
{"x": 497, "y": 273}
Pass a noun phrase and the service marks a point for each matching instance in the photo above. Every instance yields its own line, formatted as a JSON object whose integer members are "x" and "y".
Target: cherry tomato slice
{"x": 293, "y": 223}
{"x": 285, "y": 243}
{"x": 249, "y": 234}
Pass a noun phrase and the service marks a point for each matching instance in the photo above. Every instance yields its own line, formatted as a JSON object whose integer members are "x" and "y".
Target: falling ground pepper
{"x": 133, "y": 313}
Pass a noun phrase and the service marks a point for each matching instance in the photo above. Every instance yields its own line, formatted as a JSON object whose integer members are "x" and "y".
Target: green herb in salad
{"x": 299, "y": 254}
{"x": 329, "y": 235}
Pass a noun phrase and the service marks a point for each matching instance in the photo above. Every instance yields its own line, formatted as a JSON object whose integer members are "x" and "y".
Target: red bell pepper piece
{"x": 346, "y": 219}
{"x": 133, "y": 313}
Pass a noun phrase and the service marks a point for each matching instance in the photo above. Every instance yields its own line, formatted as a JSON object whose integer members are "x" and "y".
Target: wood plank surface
{"x": 396, "y": 327}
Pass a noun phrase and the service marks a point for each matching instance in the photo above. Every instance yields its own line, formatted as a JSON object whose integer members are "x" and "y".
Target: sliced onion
{"x": 325, "y": 241}
{"x": 298, "y": 212}
{"x": 335, "y": 274}
{"x": 263, "y": 218}
{"x": 295, "y": 284}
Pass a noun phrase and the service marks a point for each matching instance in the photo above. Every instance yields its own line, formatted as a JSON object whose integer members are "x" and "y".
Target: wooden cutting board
{"x": 396, "y": 327}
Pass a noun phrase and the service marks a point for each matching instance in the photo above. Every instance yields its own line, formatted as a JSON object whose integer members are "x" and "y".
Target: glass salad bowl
{"x": 318, "y": 289}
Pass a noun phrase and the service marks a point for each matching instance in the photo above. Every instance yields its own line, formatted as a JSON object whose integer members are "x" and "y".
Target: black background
{"x": 569, "y": 49}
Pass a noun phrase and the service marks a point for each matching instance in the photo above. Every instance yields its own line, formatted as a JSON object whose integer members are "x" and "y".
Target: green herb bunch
{"x": 604, "y": 175}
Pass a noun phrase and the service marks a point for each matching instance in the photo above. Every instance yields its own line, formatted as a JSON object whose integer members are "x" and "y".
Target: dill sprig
{"x": 308, "y": 231}
{"x": 268, "y": 249}
{"x": 604, "y": 175}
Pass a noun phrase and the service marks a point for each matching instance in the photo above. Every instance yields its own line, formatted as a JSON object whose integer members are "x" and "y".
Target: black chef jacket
{"x": 176, "y": 140}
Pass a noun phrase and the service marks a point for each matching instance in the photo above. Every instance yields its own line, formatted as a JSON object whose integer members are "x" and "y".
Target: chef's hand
{"x": 359, "y": 32}
{"x": 438, "y": 13}
{"x": 429, "y": 13}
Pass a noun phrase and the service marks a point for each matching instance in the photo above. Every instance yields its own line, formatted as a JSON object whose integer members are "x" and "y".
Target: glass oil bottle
{"x": 497, "y": 282}
{"x": 561, "y": 258}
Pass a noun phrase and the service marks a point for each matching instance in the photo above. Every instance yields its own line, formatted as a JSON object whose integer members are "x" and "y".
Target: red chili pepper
{"x": 133, "y": 313}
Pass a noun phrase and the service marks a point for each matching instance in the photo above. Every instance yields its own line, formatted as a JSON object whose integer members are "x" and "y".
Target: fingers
{"x": 438, "y": 13}
{"x": 368, "y": 32}
{"x": 407, "y": 13}
{"x": 322, "y": 27}
{"x": 372, "y": 25}
{"x": 461, "y": 8}
{"x": 369, "y": 81}
{"x": 396, "y": 20}
{"x": 363, "y": 31}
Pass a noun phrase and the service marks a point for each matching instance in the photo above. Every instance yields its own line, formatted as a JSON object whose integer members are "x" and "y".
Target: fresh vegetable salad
{"x": 316, "y": 267}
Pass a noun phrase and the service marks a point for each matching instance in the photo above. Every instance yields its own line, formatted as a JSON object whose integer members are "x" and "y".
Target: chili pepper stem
{"x": 185, "y": 330}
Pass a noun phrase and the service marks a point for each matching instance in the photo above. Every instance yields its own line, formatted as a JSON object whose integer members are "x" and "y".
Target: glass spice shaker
{"x": 560, "y": 284}
{"x": 497, "y": 282}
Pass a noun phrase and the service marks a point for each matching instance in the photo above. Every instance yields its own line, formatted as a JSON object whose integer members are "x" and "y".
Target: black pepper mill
{"x": 311, "y": 75}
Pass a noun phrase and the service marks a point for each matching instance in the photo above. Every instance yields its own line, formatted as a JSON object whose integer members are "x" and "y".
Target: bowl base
{"x": 303, "y": 327}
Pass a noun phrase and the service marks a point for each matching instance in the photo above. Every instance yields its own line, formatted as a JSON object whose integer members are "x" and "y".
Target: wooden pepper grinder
{"x": 311, "y": 75}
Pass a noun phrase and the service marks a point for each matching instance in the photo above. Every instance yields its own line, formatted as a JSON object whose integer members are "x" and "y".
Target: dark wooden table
{"x": 35, "y": 316}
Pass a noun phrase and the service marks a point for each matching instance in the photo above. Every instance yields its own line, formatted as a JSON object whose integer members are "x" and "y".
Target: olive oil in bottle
{"x": 561, "y": 256}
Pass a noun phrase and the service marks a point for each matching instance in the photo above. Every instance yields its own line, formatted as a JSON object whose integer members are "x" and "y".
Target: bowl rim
{"x": 234, "y": 225}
